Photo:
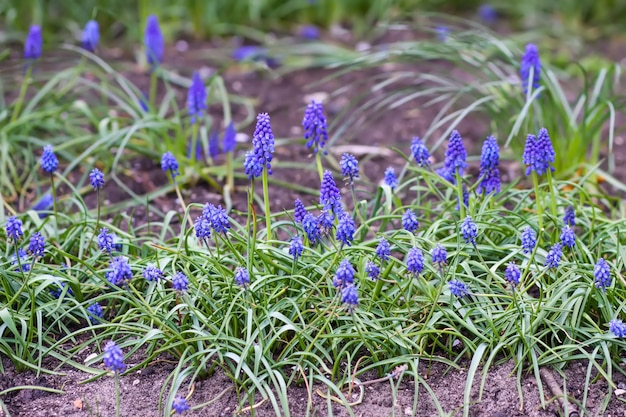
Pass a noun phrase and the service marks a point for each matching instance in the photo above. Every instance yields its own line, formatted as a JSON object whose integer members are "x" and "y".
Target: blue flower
{"x": 34, "y": 43}
{"x": 458, "y": 288}
{"x": 409, "y": 221}
{"x": 95, "y": 312}
{"x": 602, "y": 274}
{"x": 37, "y": 245}
{"x": 202, "y": 228}
{"x": 45, "y": 202}
{"x": 344, "y": 275}
{"x": 309, "y": 32}
{"x": 119, "y": 271}
{"x": 415, "y": 261}
{"x": 455, "y": 155}
{"x": 349, "y": 167}
{"x": 14, "y": 228}
{"x": 330, "y": 199}
{"x": 350, "y": 296}
{"x": 91, "y": 36}
{"x": 390, "y": 178}
{"x": 299, "y": 212}
{"x": 262, "y": 148}
{"x": 513, "y": 274}
{"x": 465, "y": 198}
{"x": 570, "y": 216}
{"x": 568, "y": 237}
{"x": 440, "y": 255}
{"x": 553, "y": 258}
{"x": 296, "y": 247}
{"x": 420, "y": 152}
{"x": 325, "y": 221}
{"x": 230, "y": 135}
{"x": 489, "y": 171}
{"x": 242, "y": 277}
{"x": 152, "y": 273}
{"x": 372, "y": 270}
{"x": 311, "y": 228}
{"x": 49, "y": 161}
{"x": 96, "y": 177}
{"x": 169, "y": 163}
{"x": 113, "y": 357}
{"x": 219, "y": 219}
{"x": 530, "y": 63}
{"x": 545, "y": 149}
{"x": 180, "y": 282}
{"x": 345, "y": 229}
{"x": 154, "y": 42}
{"x": 529, "y": 239}
{"x": 23, "y": 261}
{"x": 487, "y": 13}
{"x": 60, "y": 286}
{"x": 196, "y": 97}
{"x": 469, "y": 230}
{"x": 180, "y": 405}
{"x": 617, "y": 327}
{"x": 214, "y": 144}
{"x": 105, "y": 240}
{"x": 442, "y": 33}
{"x": 255, "y": 53}
{"x": 315, "y": 127}
{"x": 383, "y": 250}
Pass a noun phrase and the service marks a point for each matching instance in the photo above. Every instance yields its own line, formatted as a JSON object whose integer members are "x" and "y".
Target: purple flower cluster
{"x": 34, "y": 43}
{"x": 119, "y": 271}
{"x": 96, "y": 177}
{"x": 539, "y": 153}
{"x": 330, "y": 198}
{"x": 513, "y": 274}
{"x": 296, "y": 247}
{"x": 530, "y": 67}
{"x": 154, "y": 42}
{"x": 113, "y": 357}
{"x": 242, "y": 277}
{"x": 211, "y": 218}
{"x": 196, "y": 97}
{"x": 345, "y": 229}
{"x": 49, "y": 161}
{"x": 37, "y": 245}
{"x": 469, "y": 230}
{"x": 458, "y": 288}
{"x": 152, "y": 273}
{"x": 169, "y": 163}
{"x": 315, "y": 127}
{"x": 415, "y": 261}
{"x": 409, "y": 221}
{"x": 262, "y": 152}
{"x": 349, "y": 167}
{"x": 383, "y": 250}
{"x": 553, "y": 258}
{"x": 344, "y": 275}
{"x": 489, "y": 171}
{"x": 455, "y": 158}
{"x": 602, "y": 274}
{"x": 529, "y": 239}
{"x": 390, "y": 178}
{"x": 91, "y": 36}
{"x": 420, "y": 152}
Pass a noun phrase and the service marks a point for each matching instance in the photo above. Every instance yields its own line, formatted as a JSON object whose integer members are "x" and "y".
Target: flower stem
{"x": 459, "y": 193}
{"x": 54, "y": 196}
{"x": 552, "y": 193}
{"x": 318, "y": 160}
{"x": 180, "y": 196}
{"x": 20, "y": 99}
{"x": 538, "y": 200}
{"x": 153, "y": 88}
{"x": 194, "y": 144}
{"x": 266, "y": 200}
{"x": 117, "y": 395}
{"x": 230, "y": 173}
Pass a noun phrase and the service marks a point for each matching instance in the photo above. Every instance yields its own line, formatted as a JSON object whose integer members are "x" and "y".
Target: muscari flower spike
{"x": 330, "y": 198}
{"x": 169, "y": 163}
{"x": 349, "y": 167}
{"x": 529, "y": 239}
{"x": 415, "y": 261}
{"x": 420, "y": 152}
{"x": 113, "y": 357}
{"x": 37, "y": 245}
{"x": 105, "y": 240}
{"x": 60, "y": 286}
{"x": 95, "y": 313}
{"x": 242, "y": 276}
{"x": 513, "y": 274}
{"x": 309, "y": 32}
{"x": 260, "y": 157}
{"x": 218, "y": 218}
{"x": 617, "y": 327}
{"x": 602, "y": 274}
{"x": 296, "y": 247}
{"x": 230, "y": 138}
{"x": 455, "y": 159}
{"x": 390, "y": 178}
{"x": 214, "y": 144}
{"x": 202, "y": 227}
{"x": 325, "y": 221}
{"x": 154, "y": 42}
{"x": 120, "y": 271}
{"x": 487, "y": 13}
{"x": 14, "y": 228}
{"x": 539, "y": 153}
{"x": 179, "y": 405}
{"x": 409, "y": 221}
{"x": 315, "y": 127}
{"x": 49, "y": 161}
{"x": 350, "y": 296}
{"x": 372, "y": 270}
{"x": 311, "y": 228}
{"x": 553, "y": 258}
{"x": 152, "y": 273}
{"x": 299, "y": 211}
{"x": 489, "y": 171}
{"x": 569, "y": 218}
{"x": 568, "y": 237}
{"x": 469, "y": 230}
{"x": 196, "y": 97}
{"x": 96, "y": 177}
{"x": 440, "y": 255}
{"x": 344, "y": 275}
{"x": 33, "y": 44}
{"x": 23, "y": 261}
{"x": 345, "y": 229}
{"x": 442, "y": 33}
{"x": 457, "y": 288}
{"x": 383, "y": 250}
{"x": 91, "y": 36}
{"x": 530, "y": 63}
{"x": 180, "y": 282}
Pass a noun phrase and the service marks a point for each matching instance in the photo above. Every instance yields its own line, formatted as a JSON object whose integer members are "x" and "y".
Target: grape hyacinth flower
{"x": 296, "y": 247}
{"x": 390, "y": 178}
{"x": 570, "y": 216}
{"x": 544, "y": 146}
{"x": 120, "y": 271}
{"x": 96, "y": 177}
{"x": 315, "y": 127}
{"x": 372, "y": 270}
{"x": 260, "y": 157}
{"x": 469, "y": 230}
{"x": 349, "y": 167}
{"x": 49, "y": 161}
{"x": 345, "y": 229}
{"x": 169, "y": 163}
{"x": 617, "y": 327}
{"x": 179, "y": 405}
{"x": 309, "y": 32}
{"x": 14, "y": 228}
{"x": 152, "y": 273}
{"x": 230, "y": 135}
{"x": 202, "y": 228}
{"x": 489, "y": 171}
{"x": 113, "y": 357}
{"x": 154, "y": 42}
{"x": 33, "y": 44}
{"x": 36, "y": 245}
{"x": 465, "y": 198}
{"x": 530, "y": 64}
{"x": 442, "y": 33}
{"x": 513, "y": 274}
{"x": 325, "y": 222}
{"x": 180, "y": 282}
{"x": 219, "y": 219}
{"x": 91, "y": 36}
{"x": 440, "y": 256}
{"x": 487, "y": 13}
{"x": 344, "y": 275}
{"x": 20, "y": 259}
{"x": 299, "y": 211}
{"x": 105, "y": 240}
{"x": 409, "y": 221}
{"x": 529, "y": 239}
{"x": 602, "y": 274}
{"x": 311, "y": 228}
{"x": 568, "y": 237}
{"x": 415, "y": 261}
{"x": 196, "y": 97}
{"x": 383, "y": 250}
{"x": 60, "y": 286}
{"x": 95, "y": 313}
{"x": 350, "y": 296}
{"x": 553, "y": 258}
{"x": 330, "y": 198}
{"x": 45, "y": 202}
{"x": 420, "y": 152}
{"x": 457, "y": 288}
{"x": 455, "y": 156}
{"x": 242, "y": 277}
{"x": 214, "y": 145}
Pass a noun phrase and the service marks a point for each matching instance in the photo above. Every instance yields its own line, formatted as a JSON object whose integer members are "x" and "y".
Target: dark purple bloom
{"x": 390, "y": 178}
{"x": 91, "y": 36}
{"x": 383, "y": 250}
{"x": 230, "y": 134}
{"x": 154, "y": 42}
{"x": 487, "y": 13}
{"x": 372, "y": 270}
{"x": 345, "y": 229}
{"x": 22, "y": 261}
{"x": 568, "y": 237}
{"x": 180, "y": 282}
{"x": 296, "y": 247}
{"x": 458, "y": 288}
{"x": 602, "y": 274}
{"x": 330, "y": 198}
{"x": 415, "y": 261}
{"x": 420, "y": 152}
{"x": 14, "y": 228}
{"x": 180, "y": 405}
{"x": 617, "y": 327}
{"x": 489, "y": 171}
{"x": 119, "y": 271}
{"x": 553, "y": 258}
{"x": 530, "y": 67}
{"x": 309, "y": 32}
{"x": 344, "y": 275}
{"x": 95, "y": 312}
{"x": 105, "y": 240}
{"x": 113, "y": 357}
{"x": 37, "y": 245}
{"x": 49, "y": 161}
{"x": 469, "y": 230}
{"x": 538, "y": 153}
{"x": 214, "y": 144}
{"x": 263, "y": 148}
{"x": 196, "y": 97}
{"x": 350, "y": 296}
{"x": 529, "y": 239}
{"x": 349, "y": 167}
{"x": 570, "y": 216}
{"x": 455, "y": 155}
{"x": 169, "y": 163}
{"x": 513, "y": 274}
{"x": 315, "y": 127}
{"x": 440, "y": 255}
{"x": 409, "y": 221}
{"x": 152, "y": 273}
{"x": 299, "y": 212}
{"x": 96, "y": 177}
{"x": 34, "y": 43}
{"x": 311, "y": 228}
{"x": 242, "y": 277}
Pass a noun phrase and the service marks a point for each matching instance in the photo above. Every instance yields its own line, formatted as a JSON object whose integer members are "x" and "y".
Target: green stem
{"x": 54, "y": 196}
{"x": 97, "y": 219}
{"x": 180, "y": 197}
{"x": 153, "y": 88}
{"x": 538, "y": 200}
{"x": 117, "y": 395}
{"x": 23, "y": 88}
{"x": 251, "y": 222}
{"x": 230, "y": 174}
{"x": 459, "y": 193}
{"x": 194, "y": 144}
{"x": 266, "y": 200}
{"x": 318, "y": 160}
{"x": 552, "y": 193}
